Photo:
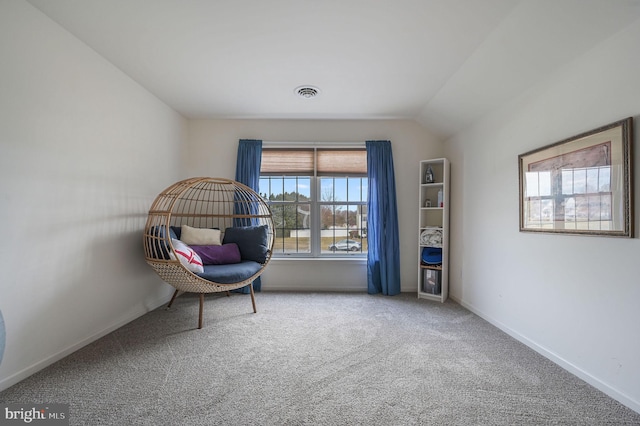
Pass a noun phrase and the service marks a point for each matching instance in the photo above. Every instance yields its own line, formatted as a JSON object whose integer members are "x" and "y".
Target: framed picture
{"x": 581, "y": 185}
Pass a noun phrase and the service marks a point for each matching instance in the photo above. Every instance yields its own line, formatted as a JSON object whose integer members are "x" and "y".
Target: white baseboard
{"x": 318, "y": 288}
{"x": 582, "y": 374}
{"x": 34, "y": 368}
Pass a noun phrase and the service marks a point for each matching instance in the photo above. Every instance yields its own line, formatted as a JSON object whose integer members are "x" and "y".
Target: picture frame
{"x": 582, "y": 185}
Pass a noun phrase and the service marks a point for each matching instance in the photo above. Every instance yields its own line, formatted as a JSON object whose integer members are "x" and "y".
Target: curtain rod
{"x": 290, "y": 144}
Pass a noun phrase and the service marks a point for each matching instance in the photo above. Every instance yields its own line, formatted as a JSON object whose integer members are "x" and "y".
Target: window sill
{"x": 352, "y": 259}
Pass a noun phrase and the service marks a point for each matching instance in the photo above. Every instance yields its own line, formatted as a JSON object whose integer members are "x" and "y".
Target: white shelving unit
{"x": 433, "y": 280}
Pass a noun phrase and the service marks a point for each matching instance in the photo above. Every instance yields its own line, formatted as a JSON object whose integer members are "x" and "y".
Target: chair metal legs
{"x": 253, "y": 298}
{"x": 201, "y": 308}
{"x": 200, "y": 314}
{"x": 175, "y": 294}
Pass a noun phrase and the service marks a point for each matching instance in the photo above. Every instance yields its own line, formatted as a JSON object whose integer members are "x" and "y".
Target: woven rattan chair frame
{"x": 203, "y": 202}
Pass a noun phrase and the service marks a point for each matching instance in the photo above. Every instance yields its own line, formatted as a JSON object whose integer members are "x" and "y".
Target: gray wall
{"x": 573, "y": 298}
{"x": 84, "y": 151}
{"x": 212, "y": 151}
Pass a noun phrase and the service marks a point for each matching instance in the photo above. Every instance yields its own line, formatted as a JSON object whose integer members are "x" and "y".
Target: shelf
{"x": 434, "y": 267}
{"x": 436, "y": 215}
{"x": 437, "y": 297}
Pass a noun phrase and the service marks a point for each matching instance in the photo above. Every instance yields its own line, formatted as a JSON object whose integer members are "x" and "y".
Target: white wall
{"x": 573, "y": 298}
{"x": 83, "y": 152}
{"x": 213, "y": 148}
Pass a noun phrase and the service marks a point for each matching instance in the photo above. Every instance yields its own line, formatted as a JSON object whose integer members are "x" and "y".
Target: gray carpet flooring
{"x": 315, "y": 359}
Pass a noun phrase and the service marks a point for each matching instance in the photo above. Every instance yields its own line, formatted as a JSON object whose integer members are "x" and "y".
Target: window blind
{"x": 286, "y": 161}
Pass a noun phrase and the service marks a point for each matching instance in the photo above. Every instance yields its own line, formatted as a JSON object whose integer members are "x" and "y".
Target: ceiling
{"x": 444, "y": 63}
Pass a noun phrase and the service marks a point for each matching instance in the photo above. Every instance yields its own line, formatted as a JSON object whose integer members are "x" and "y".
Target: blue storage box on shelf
{"x": 431, "y": 255}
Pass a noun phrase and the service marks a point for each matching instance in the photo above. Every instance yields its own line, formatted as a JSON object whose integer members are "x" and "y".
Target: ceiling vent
{"x": 307, "y": 92}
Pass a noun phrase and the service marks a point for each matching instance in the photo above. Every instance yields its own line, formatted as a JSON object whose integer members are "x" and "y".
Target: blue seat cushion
{"x": 230, "y": 273}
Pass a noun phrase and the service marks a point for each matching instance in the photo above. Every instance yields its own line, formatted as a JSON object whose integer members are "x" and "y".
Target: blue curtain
{"x": 383, "y": 254}
{"x": 248, "y": 173}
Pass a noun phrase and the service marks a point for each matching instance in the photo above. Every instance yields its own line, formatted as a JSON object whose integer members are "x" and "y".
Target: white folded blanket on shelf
{"x": 431, "y": 237}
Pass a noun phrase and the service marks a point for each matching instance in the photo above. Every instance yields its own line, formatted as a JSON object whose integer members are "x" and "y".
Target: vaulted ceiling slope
{"x": 444, "y": 63}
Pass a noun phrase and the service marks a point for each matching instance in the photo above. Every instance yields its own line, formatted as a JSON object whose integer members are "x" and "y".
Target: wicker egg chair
{"x": 211, "y": 203}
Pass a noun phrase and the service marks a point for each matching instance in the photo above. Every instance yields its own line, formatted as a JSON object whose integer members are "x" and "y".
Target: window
{"x": 318, "y": 197}
{"x": 586, "y": 194}
{"x": 582, "y": 200}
